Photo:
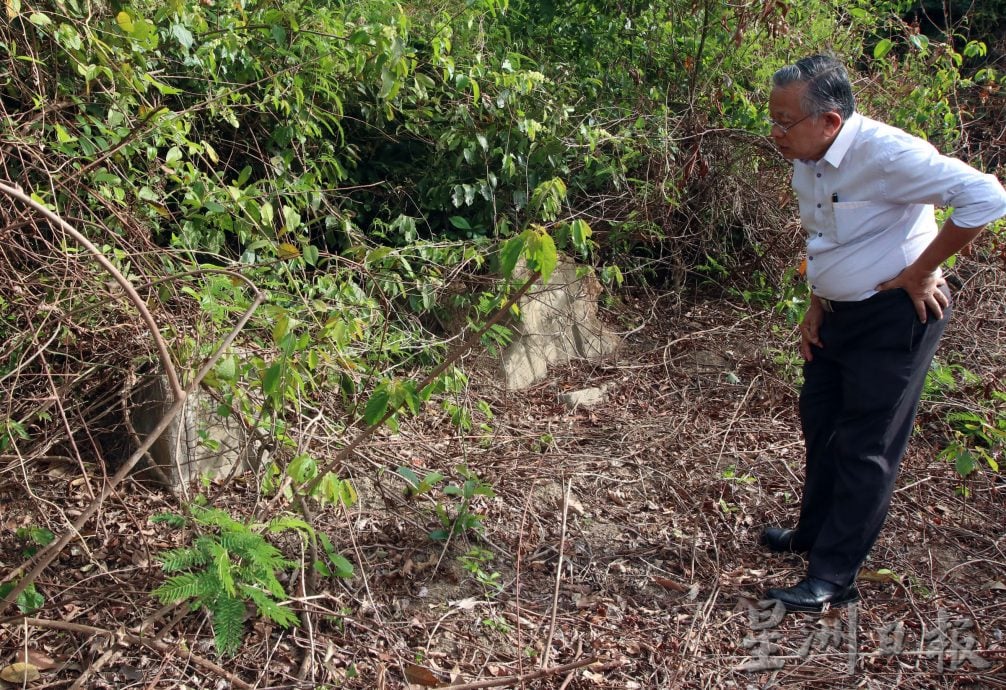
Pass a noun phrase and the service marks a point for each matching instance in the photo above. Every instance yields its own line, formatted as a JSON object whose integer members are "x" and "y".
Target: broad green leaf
{"x": 125, "y": 22}
{"x": 311, "y": 255}
{"x": 377, "y": 406}
{"x": 542, "y": 253}
{"x": 580, "y": 234}
{"x": 280, "y": 328}
{"x": 182, "y": 35}
{"x": 30, "y": 600}
{"x": 302, "y": 468}
{"x": 882, "y": 48}
{"x": 965, "y": 463}
{"x": 919, "y": 41}
{"x": 460, "y": 223}
{"x": 511, "y": 252}
{"x": 227, "y": 368}
{"x": 163, "y": 88}
{"x": 270, "y": 383}
{"x": 291, "y": 219}
{"x": 343, "y": 566}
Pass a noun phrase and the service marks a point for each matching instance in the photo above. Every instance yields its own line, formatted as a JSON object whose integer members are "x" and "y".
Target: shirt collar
{"x": 843, "y": 140}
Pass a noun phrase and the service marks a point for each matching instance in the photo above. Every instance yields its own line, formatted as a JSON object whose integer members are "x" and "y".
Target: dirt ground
{"x": 619, "y": 547}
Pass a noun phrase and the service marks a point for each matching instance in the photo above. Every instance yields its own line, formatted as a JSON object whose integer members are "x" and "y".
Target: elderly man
{"x": 879, "y": 305}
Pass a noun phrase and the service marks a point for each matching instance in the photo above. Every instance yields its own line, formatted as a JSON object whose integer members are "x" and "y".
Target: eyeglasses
{"x": 785, "y": 128}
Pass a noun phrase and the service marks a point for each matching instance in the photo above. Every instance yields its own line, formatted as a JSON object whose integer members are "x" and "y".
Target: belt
{"x": 832, "y": 305}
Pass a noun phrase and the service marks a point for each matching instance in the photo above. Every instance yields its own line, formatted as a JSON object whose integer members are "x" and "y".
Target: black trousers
{"x": 857, "y": 409}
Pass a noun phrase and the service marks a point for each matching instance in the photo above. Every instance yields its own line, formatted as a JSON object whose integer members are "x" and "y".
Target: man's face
{"x": 795, "y": 134}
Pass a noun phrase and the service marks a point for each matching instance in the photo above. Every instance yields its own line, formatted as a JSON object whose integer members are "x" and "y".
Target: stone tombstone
{"x": 558, "y": 324}
{"x": 198, "y": 441}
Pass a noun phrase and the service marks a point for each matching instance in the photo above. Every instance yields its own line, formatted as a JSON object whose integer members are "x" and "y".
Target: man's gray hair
{"x": 828, "y": 86}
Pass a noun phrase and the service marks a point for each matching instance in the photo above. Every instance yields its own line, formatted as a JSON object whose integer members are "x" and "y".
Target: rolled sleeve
{"x": 980, "y": 202}
{"x": 921, "y": 175}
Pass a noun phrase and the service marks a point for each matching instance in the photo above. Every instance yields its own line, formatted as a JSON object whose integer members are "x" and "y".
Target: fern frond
{"x": 266, "y": 578}
{"x": 240, "y": 542}
{"x": 265, "y": 555}
{"x": 180, "y": 587}
{"x": 287, "y": 522}
{"x": 182, "y": 559}
{"x": 169, "y": 519}
{"x": 216, "y": 518}
{"x": 224, "y": 571}
{"x": 269, "y": 608}
{"x": 228, "y": 621}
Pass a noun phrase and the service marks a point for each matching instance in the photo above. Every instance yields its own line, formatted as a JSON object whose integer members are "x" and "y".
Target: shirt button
{"x": 813, "y": 287}
{"x": 820, "y": 234}
{"x": 810, "y": 258}
{"x": 819, "y": 174}
{"x": 819, "y": 205}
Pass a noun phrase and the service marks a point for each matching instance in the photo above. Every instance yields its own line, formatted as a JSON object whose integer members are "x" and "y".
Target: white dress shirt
{"x": 867, "y": 205}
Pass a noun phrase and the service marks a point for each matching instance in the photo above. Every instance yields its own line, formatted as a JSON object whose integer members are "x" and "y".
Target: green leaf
{"x": 30, "y": 600}
{"x": 377, "y": 406}
{"x": 182, "y": 35}
{"x": 919, "y": 41}
{"x": 269, "y": 608}
{"x": 542, "y": 255}
{"x": 302, "y": 468}
{"x": 311, "y": 255}
{"x": 882, "y": 48}
{"x": 270, "y": 382}
{"x": 580, "y": 234}
{"x": 287, "y": 522}
{"x": 343, "y": 566}
{"x": 408, "y": 475}
{"x": 460, "y": 223}
{"x": 511, "y": 252}
{"x": 965, "y": 463}
{"x": 227, "y": 368}
{"x": 163, "y": 88}
{"x": 280, "y": 328}
{"x": 125, "y": 22}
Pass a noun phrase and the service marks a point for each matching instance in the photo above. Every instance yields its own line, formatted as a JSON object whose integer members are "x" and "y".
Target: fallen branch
{"x": 121, "y": 636}
{"x": 517, "y": 680}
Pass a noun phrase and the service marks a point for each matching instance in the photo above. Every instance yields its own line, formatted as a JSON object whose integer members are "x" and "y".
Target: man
{"x": 879, "y": 305}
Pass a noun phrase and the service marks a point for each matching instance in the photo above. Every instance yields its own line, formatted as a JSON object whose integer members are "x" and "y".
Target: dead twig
{"x": 558, "y": 575}
{"x": 516, "y": 680}
{"x": 121, "y": 636}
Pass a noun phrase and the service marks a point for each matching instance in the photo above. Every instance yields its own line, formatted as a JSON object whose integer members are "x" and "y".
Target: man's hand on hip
{"x": 923, "y": 287}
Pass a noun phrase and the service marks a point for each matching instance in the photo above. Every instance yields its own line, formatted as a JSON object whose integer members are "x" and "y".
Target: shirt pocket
{"x": 857, "y": 220}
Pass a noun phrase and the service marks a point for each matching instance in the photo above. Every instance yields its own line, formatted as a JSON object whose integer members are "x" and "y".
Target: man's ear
{"x": 832, "y": 123}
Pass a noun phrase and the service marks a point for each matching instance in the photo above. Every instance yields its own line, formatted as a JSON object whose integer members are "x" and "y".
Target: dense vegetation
{"x": 369, "y": 170}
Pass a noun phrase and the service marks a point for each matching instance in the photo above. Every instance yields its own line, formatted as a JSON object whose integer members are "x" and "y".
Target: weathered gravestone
{"x": 558, "y": 324}
{"x": 198, "y": 441}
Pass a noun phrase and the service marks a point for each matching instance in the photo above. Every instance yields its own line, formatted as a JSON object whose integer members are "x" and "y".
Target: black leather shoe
{"x": 811, "y": 594}
{"x": 780, "y": 540}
